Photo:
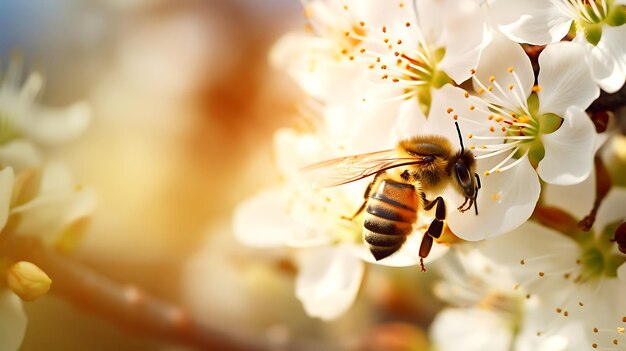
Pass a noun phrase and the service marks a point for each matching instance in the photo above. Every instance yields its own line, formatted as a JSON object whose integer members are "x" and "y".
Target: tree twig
{"x": 126, "y": 306}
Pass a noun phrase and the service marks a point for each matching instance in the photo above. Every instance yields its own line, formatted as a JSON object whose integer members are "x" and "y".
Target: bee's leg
{"x": 434, "y": 229}
{"x": 366, "y": 195}
{"x": 425, "y": 246}
{"x": 460, "y": 208}
{"x": 436, "y": 226}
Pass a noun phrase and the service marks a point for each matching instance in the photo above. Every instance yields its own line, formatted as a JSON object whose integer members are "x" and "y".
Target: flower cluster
{"x": 514, "y": 84}
{"x": 38, "y": 196}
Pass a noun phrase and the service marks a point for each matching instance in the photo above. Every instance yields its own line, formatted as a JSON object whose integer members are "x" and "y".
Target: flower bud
{"x": 28, "y": 281}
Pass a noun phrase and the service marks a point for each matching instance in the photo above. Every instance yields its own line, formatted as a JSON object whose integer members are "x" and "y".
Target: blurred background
{"x": 184, "y": 108}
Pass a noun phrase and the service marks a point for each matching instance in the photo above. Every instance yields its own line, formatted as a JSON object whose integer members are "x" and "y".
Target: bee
{"x": 405, "y": 180}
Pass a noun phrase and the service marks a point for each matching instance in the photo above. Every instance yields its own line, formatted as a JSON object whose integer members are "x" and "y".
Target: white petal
{"x": 564, "y": 79}
{"x": 20, "y": 154}
{"x": 536, "y": 22}
{"x": 569, "y": 150}
{"x": 6, "y": 190}
{"x": 411, "y": 121}
{"x": 621, "y": 273}
{"x": 328, "y": 281}
{"x": 295, "y": 150}
{"x": 55, "y": 126}
{"x": 611, "y": 209}
{"x": 576, "y": 199}
{"x": 263, "y": 221}
{"x": 471, "y": 330}
{"x": 529, "y": 241}
{"x": 500, "y": 55}
{"x": 505, "y": 201}
{"x": 12, "y": 321}
{"x": 465, "y": 38}
{"x": 608, "y": 59}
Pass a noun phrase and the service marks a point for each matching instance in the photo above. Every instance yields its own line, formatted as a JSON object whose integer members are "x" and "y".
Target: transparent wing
{"x": 348, "y": 169}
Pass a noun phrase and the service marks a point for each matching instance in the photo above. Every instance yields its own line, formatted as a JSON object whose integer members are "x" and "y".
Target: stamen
{"x": 498, "y": 152}
{"x": 497, "y": 167}
{"x": 505, "y": 168}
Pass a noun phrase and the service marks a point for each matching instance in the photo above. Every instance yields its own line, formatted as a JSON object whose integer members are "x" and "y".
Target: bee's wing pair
{"x": 348, "y": 169}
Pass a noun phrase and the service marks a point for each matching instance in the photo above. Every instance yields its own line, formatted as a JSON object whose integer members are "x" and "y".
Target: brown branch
{"x": 128, "y": 307}
{"x": 603, "y": 185}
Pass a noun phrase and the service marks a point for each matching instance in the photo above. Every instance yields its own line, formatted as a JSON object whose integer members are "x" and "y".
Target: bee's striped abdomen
{"x": 390, "y": 214}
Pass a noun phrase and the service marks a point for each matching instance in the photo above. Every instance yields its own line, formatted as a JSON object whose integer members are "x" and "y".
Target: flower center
{"x": 598, "y": 257}
{"x": 590, "y": 15}
{"x": 409, "y": 66}
{"x": 512, "y": 121}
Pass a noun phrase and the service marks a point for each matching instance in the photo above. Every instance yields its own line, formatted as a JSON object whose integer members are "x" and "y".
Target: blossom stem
{"x": 603, "y": 185}
{"x": 126, "y": 306}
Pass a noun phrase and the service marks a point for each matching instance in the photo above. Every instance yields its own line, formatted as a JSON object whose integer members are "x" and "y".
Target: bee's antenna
{"x": 476, "y": 195}
{"x": 458, "y": 130}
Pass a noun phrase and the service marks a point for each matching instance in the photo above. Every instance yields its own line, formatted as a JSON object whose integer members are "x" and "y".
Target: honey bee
{"x": 404, "y": 178}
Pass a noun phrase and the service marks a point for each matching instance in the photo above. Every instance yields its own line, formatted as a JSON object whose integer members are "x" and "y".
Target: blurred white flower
{"x": 24, "y": 121}
{"x": 12, "y": 320}
{"x": 366, "y": 58}
{"x": 576, "y": 277}
{"x": 49, "y": 206}
{"x": 599, "y": 26}
{"x": 488, "y": 313}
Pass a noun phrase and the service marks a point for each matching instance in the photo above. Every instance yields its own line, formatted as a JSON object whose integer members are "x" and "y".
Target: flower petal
{"x": 576, "y": 199}
{"x": 611, "y": 209}
{"x": 496, "y": 60}
{"x": 20, "y": 154}
{"x": 608, "y": 59}
{"x": 537, "y": 22}
{"x": 465, "y": 38}
{"x": 263, "y": 220}
{"x": 6, "y": 190}
{"x": 505, "y": 201}
{"x": 470, "y": 330}
{"x": 621, "y": 273}
{"x": 569, "y": 150}
{"x": 328, "y": 281}
{"x": 50, "y": 126}
{"x": 564, "y": 79}
{"x": 12, "y": 321}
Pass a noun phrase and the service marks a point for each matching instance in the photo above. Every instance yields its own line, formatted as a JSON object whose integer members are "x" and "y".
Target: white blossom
{"x": 597, "y": 25}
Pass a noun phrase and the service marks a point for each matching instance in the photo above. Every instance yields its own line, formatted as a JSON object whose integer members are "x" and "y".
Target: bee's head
{"x": 463, "y": 169}
{"x": 463, "y": 172}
